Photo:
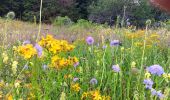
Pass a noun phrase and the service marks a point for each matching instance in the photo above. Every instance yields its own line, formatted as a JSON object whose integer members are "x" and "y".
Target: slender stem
{"x": 39, "y": 29}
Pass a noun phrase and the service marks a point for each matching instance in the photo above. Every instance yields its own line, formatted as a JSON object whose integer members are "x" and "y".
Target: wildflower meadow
{"x": 104, "y": 64}
{"x": 83, "y": 61}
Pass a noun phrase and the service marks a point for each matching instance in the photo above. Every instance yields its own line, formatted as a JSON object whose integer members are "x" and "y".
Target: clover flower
{"x": 148, "y": 83}
{"x": 116, "y": 68}
{"x": 156, "y": 70}
{"x": 93, "y": 81}
{"x": 115, "y": 43}
{"x": 89, "y": 40}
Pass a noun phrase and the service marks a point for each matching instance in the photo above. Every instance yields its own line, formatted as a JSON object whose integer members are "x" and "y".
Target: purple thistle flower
{"x": 116, "y": 68}
{"x": 156, "y": 70}
{"x": 90, "y": 40}
{"x": 39, "y": 49}
{"x": 148, "y": 83}
{"x": 75, "y": 79}
{"x": 115, "y": 43}
{"x": 93, "y": 81}
{"x": 26, "y": 42}
{"x": 44, "y": 67}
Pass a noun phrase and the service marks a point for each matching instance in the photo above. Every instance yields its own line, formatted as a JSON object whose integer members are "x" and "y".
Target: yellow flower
{"x": 5, "y": 57}
{"x": 27, "y": 51}
{"x": 96, "y": 95}
{"x": 147, "y": 75}
{"x": 75, "y": 87}
{"x": 133, "y": 64}
{"x": 14, "y": 67}
{"x": 106, "y": 98}
{"x": 9, "y": 97}
{"x": 84, "y": 95}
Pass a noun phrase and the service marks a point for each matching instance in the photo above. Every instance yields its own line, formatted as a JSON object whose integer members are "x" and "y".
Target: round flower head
{"x": 93, "y": 81}
{"x": 116, "y": 68}
{"x": 39, "y": 49}
{"x": 115, "y": 43}
{"x": 148, "y": 83}
{"x": 156, "y": 70}
{"x": 90, "y": 40}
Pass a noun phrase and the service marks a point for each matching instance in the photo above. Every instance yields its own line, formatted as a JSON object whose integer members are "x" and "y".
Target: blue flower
{"x": 148, "y": 83}
{"x": 39, "y": 49}
{"x": 156, "y": 70}
{"x": 93, "y": 81}
{"x": 116, "y": 68}
{"x": 90, "y": 40}
{"x": 115, "y": 43}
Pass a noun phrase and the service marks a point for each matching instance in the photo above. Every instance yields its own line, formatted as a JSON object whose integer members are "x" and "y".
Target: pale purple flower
{"x": 153, "y": 92}
{"x": 75, "y": 79}
{"x": 116, "y": 68}
{"x": 44, "y": 67}
{"x": 39, "y": 49}
{"x": 115, "y": 43}
{"x": 76, "y": 64}
{"x": 156, "y": 70}
{"x": 90, "y": 40}
{"x": 26, "y": 42}
{"x": 93, "y": 81}
{"x": 160, "y": 95}
{"x": 148, "y": 83}
{"x": 105, "y": 46}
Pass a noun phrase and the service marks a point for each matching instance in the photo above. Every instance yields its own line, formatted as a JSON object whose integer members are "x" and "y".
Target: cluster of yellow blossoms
{"x": 55, "y": 46}
{"x": 94, "y": 95}
{"x": 60, "y": 63}
{"x": 139, "y": 35}
{"x": 27, "y": 51}
{"x": 52, "y": 46}
{"x": 75, "y": 87}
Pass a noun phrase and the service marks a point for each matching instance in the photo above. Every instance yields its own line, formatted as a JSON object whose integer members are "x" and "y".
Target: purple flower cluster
{"x": 116, "y": 68}
{"x": 157, "y": 93}
{"x": 115, "y": 43}
{"x": 156, "y": 70}
{"x": 93, "y": 81}
{"x": 148, "y": 83}
{"x": 89, "y": 40}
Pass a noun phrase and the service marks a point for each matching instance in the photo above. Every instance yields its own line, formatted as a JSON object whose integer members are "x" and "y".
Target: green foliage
{"x": 60, "y": 21}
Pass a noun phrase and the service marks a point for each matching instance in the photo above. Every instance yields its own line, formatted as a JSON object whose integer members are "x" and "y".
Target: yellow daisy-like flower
{"x": 27, "y": 51}
{"x": 75, "y": 87}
